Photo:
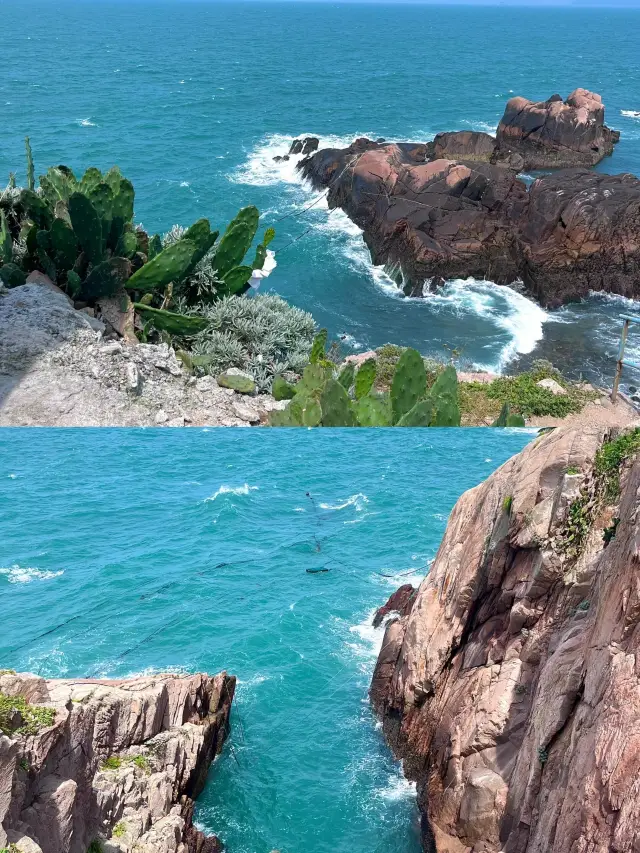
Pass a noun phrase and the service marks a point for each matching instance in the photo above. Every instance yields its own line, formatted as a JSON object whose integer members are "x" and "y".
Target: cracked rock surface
{"x": 512, "y": 687}
{"x": 58, "y": 369}
{"x": 121, "y": 763}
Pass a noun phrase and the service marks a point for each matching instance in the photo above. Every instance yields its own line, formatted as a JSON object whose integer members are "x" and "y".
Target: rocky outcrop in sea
{"x": 511, "y": 687}
{"x": 113, "y": 764}
{"x": 456, "y": 208}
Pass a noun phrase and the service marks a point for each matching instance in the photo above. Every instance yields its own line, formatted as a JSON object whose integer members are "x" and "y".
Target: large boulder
{"x": 555, "y": 133}
{"x": 429, "y": 220}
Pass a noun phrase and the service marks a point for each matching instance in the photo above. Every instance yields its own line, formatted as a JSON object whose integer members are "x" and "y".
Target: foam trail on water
{"x": 20, "y": 574}
{"x": 232, "y": 490}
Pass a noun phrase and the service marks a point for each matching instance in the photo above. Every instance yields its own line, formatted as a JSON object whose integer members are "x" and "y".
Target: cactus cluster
{"x": 349, "y": 399}
{"x": 80, "y": 232}
{"x": 506, "y": 419}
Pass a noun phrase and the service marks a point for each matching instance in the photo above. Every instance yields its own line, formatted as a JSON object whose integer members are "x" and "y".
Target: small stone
{"x": 161, "y": 417}
{"x": 238, "y": 380}
{"x": 206, "y": 383}
{"x": 551, "y": 385}
{"x": 175, "y": 422}
{"x": 111, "y": 348}
{"x": 88, "y": 311}
{"x": 245, "y": 411}
{"x": 133, "y": 378}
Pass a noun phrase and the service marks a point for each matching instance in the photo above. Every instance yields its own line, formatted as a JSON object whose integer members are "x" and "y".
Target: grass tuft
{"x": 33, "y": 717}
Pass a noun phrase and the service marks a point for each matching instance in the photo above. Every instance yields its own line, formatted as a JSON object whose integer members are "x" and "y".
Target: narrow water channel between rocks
{"x": 132, "y": 551}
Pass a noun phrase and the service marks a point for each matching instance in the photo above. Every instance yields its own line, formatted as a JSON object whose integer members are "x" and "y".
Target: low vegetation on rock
{"x": 17, "y": 716}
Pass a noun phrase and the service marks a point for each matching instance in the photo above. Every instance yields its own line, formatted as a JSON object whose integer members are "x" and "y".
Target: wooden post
{"x": 623, "y": 343}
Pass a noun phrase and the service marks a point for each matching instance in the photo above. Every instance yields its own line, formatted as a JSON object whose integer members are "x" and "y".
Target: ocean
{"x": 194, "y": 99}
{"x": 136, "y": 551}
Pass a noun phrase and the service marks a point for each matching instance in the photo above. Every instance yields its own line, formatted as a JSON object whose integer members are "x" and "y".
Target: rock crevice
{"x": 117, "y": 761}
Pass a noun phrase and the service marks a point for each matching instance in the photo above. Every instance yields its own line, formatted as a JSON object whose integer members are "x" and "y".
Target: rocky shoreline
{"x": 508, "y": 682}
{"x": 108, "y": 765}
{"x": 456, "y": 208}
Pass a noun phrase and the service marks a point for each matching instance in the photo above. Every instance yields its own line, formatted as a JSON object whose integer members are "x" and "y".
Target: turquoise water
{"x": 193, "y": 100}
{"x": 132, "y": 551}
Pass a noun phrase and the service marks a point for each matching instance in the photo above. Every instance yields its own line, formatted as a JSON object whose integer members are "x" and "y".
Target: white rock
{"x": 175, "y": 422}
{"x": 245, "y": 411}
{"x": 206, "y": 383}
{"x": 133, "y": 378}
{"x": 161, "y": 417}
{"x": 551, "y": 385}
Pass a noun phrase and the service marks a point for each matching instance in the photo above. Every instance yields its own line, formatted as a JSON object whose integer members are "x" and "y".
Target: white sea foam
{"x": 481, "y": 126}
{"x": 260, "y": 169}
{"x": 397, "y": 788}
{"x": 370, "y": 638}
{"x": 232, "y": 490}
{"x": 359, "y": 501}
{"x": 630, "y": 113}
{"x": 506, "y": 308}
{"x": 85, "y": 122}
{"x": 12, "y": 476}
{"x": 20, "y": 574}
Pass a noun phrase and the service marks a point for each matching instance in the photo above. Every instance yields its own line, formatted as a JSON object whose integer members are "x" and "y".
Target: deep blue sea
{"x": 134, "y": 551}
{"x": 193, "y": 100}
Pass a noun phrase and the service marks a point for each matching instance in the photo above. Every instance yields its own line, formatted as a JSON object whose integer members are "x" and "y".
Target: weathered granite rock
{"x": 572, "y": 232}
{"x": 57, "y": 369}
{"x": 400, "y": 602}
{"x": 129, "y": 754}
{"x": 512, "y": 689}
{"x": 557, "y": 134}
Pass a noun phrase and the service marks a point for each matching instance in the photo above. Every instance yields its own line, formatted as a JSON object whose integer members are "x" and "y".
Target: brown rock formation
{"x": 400, "y": 602}
{"x": 130, "y": 754}
{"x": 557, "y": 134}
{"x": 574, "y": 231}
{"x": 512, "y": 689}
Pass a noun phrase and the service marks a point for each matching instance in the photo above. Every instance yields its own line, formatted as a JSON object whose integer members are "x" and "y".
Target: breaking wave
{"x": 20, "y": 574}
{"x": 232, "y": 490}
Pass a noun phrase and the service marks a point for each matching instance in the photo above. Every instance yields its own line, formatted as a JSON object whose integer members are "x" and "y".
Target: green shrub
{"x": 34, "y": 717}
{"x": 611, "y": 458}
{"x": 263, "y": 335}
{"x": 95, "y": 846}
{"x": 526, "y": 397}
{"x": 119, "y": 830}
{"x": 114, "y": 762}
{"x": 507, "y": 503}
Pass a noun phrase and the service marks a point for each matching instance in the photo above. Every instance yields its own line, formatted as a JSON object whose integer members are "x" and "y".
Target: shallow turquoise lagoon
{"x": 132, "y": 551}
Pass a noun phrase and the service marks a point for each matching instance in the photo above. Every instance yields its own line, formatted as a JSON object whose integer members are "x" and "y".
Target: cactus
{"x": 168, "y": 321}
{"x": 305, "y": 411}
{"x": 515, "y": 421}
{"x": 409, "y": 383}
{"x": 347, "y": 375}
{"x": 419, "y": 416}
{"x": 31, "y": 175}
{"x": 444, "y": 394}
{"x": 282, "y": 390}
{"x": 11, "y": 275}
{"x": 318, "y": 353}
{"x": 155, "y": 246}
{"x": 261, "y": 250}
{"x": 236, "y": 241}
{"x": 314, "y": 380}
{"x": 337, "y": 410}
{"x": 91, "y": 178}
{"x": 374, "y": 410}
{"x": 127, "y": 245}
{"x": 64, "y": 244}
{"x": 365, "y": 378}
{"x": 74, "y": 284}
{"x": 169, "y": 265}
{"x": 6, "y": 242}
{"x": 36, "y": 208}
{"x": 235, "y": 280}
{"x": 87, "y": 226}
{"x": 57, "y": 185}
{"x": 204, "y": 238}
{"x": 105, "y": 279}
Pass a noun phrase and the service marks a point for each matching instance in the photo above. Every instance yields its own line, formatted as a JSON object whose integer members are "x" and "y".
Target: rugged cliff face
{"x": 115, "y": 762}
{"x": 512, "y": 688}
